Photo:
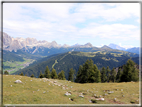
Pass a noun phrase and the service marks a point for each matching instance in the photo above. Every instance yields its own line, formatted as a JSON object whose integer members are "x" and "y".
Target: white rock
{"x": 31, "y": 80}
{"x": 44, "y": 92}
{"x": 81, "y": 96}
{"x": 101, "y": 99}
{"x": 121, "y": 89}
{"x": 11, "y": 85}
{"x": 67, "y": 93}
{"x": 18, "y": 81}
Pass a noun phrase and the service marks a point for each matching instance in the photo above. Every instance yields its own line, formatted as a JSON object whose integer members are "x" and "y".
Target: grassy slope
{"x": 23, "y": 93}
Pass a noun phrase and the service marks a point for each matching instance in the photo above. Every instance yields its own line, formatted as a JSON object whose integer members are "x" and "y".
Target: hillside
{"x": 50, "y": 91}
{"x": 69, "y": 60}
{"x": 14, "y": 61}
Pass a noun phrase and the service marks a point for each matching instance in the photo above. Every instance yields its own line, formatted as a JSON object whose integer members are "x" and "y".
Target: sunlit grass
{"x": 40, "y": 91}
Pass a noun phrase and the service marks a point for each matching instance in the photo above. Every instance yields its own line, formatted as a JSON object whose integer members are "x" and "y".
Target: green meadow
{"x": 52, "y": 91}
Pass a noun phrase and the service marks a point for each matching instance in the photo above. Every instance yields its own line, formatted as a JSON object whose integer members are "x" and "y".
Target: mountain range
{"x": 32, "y": 46}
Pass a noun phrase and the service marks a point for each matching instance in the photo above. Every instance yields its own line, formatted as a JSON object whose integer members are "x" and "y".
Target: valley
{"x": 14, "y": 66}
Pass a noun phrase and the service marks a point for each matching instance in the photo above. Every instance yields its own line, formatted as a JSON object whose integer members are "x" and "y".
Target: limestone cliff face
{"x": 10, "y": 43}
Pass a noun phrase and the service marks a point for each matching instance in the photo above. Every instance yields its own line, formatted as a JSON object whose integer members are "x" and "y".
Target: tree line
{"x": 89, "y": 73}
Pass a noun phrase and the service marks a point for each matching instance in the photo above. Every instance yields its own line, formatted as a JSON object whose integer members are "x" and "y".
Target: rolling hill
{"x": 68, "y": 60}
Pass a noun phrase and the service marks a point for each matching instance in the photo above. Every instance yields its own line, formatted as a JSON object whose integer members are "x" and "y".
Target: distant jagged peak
{"x": 106, "y": 47}
{"x": 54, "y": 42}
{"x": 88, "y": 44}
{"x": 65, "y": 46}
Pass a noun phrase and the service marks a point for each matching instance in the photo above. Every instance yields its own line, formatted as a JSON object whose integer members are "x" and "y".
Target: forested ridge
{"x": 69, "y": 60}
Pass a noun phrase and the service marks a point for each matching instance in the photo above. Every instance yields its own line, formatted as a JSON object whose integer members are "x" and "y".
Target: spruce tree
{"x": 97, "y": 74}
{"x": 103, "y": 75}
{"x": 54, "y": 74}
{"x": 41, "y": 75}
{"x": 47, "y": 73}
{"x": 71, "y": 75}
{"x": 32, "y": 75}
{"x": 61, "y": 75}
{"x": 21, "y": 74}
{"x": 113, "y": 75}
{"x": 119, "y": 74}
{"x": 108, "y": 74}
{"x": 88, "y": 72}
{"x": 79, "y": 74}
{"x": 6, "y": 72}
{"x": 130, "y": 73}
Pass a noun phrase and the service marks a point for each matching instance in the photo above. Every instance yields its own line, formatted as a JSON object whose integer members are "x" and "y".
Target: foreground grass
{"x": 41, "y": 91}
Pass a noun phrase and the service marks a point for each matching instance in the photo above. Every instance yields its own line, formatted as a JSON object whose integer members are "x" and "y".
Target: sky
{"x": 72, "y": 23}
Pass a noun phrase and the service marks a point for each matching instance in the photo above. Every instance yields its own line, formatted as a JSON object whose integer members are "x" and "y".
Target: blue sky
{"x": 71, "y": 23}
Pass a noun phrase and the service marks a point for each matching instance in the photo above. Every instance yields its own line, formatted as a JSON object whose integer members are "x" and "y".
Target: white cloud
{"x": 57, "y": 21}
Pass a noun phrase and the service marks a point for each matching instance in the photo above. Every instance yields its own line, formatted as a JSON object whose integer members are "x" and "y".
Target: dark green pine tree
{"x": 21, "y": 74}
{"x": 113, "y": 75}
{"x": 47, "y": 73}
{"x": 6, "y": 72}
{"x": 135, "y": 74}
{"x": 97, "y": 74}
{"x": 32, "y": 75}
{"x": 119, "y": 74}
{"x": 61, "y": 75}
{"x": 54, "y": 74}
{"x": 108, "y": 73}
{"x": 103, "y": 75}
{"x": 41, "y": 75}
{"x": 130, "y": 73}
{"x": 71, "y": 75}
{"x": 88, "y": 72}
{"x": 79, "y": 74}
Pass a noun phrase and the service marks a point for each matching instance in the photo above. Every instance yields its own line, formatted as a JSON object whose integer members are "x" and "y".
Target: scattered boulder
{"x": 81, "y": 96}
{"x": 18, "y": 81}
{"x": 110, "y": 92}
{"x": 101, "y": 99}
{"x": 67, "y": 93}
{"x": 115, "y": 99}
